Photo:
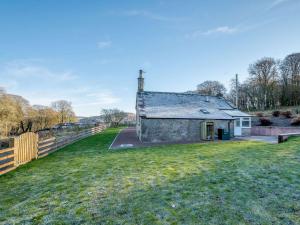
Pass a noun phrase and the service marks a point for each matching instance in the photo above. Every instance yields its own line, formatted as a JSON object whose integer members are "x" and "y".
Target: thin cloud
{"x": 276, "y": 3}
{"x": 226, "y": 30}
{"x": 103, "y": 98}
{"x": 81, "y": 98}
{"x": 67, "y": 76}
{"x": 19, "y": 78}
{"x": 218, "y": 30}
{"x": 104, "y": 61}
{"x": 104, "y": 44}
{"x": 93, "y": 100}
{"x": 221, "y": 30}
{"x": 150, "y": 15}
{"x": 8, "y": 84}
{"x": 26, "y": 70}
{"x": 249, "y": 27}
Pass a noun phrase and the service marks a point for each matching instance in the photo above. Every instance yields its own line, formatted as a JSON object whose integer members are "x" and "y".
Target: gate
{"x": 26, "y": 148}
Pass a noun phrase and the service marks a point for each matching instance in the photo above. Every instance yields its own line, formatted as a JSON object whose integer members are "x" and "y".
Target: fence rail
{"x": 7, "y": 162}
{"x": 28, "y": 147}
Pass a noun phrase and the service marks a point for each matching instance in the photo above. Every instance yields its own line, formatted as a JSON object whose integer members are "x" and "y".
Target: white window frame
{"x": 237, "y": 122}
{"x": 246, "y": 119}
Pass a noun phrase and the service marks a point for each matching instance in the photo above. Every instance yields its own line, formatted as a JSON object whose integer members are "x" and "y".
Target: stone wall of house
{"x": 165, "y": 130}
{"x": 138, "y": 127}
{"x": 138, "y": 120}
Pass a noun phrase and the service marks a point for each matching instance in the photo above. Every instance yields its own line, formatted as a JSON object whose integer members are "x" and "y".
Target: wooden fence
{"x": 25, "y": 148}
{"x": 28, "y": 146}
{"x": 7, "y": 162}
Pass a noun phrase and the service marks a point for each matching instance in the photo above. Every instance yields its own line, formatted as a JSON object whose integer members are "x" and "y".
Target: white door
{"x": 237, "y": 127}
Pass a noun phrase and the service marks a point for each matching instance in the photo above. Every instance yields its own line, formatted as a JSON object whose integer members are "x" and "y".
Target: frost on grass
{"x": 228, "y": 183}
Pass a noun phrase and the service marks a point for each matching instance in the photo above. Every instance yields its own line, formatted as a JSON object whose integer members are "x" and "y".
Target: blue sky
{"x": 89, "y": 52}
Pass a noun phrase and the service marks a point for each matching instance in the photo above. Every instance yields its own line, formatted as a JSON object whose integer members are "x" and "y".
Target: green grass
{"x": 221, "y": 183}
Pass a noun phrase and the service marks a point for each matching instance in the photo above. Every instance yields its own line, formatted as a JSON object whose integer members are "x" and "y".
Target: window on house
{"x": 246, "y": 122}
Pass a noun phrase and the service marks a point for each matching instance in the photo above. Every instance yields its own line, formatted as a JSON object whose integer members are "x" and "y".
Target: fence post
{"x": 16, "y": 152}
{"x": 36, "y": 146}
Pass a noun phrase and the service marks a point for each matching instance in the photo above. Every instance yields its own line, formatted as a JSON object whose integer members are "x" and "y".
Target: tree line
{"x": 18, "y": 116}
{"x": 271, "y": 83}
{"x": 113, "y": 117}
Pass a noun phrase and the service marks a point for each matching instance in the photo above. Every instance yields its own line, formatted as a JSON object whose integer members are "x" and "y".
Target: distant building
{"x": 167, "y": 116}
{"x": 129, "y": 120}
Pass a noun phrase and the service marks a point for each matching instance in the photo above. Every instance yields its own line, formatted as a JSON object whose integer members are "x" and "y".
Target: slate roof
{"x": 236, "y": 113}
{"x": 183, "y": 106}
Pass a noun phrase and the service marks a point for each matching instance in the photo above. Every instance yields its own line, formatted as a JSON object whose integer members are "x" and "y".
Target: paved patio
{"x": 127, "y": 139}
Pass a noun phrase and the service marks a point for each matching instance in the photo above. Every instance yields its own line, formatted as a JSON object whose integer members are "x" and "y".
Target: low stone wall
{"x": 273, "y": 131}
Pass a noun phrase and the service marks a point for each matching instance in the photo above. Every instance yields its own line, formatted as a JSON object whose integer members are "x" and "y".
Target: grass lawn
{"x": 227, "y": 183}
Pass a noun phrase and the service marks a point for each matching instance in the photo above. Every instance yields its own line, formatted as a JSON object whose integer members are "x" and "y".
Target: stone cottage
{"x": 168, "y": 117}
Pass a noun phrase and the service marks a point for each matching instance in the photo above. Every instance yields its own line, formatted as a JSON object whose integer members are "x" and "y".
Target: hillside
{"x": 286, "y": 116}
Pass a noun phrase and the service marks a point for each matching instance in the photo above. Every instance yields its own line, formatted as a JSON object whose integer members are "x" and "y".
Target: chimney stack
{"x": 141, "y": 81}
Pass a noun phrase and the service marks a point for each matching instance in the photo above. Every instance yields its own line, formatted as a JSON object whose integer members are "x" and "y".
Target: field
{"x": 225, "y": 183}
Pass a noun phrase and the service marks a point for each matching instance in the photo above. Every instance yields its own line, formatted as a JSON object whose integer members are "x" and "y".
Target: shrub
{"x": 276, "y": 113}
{"x": 287, "y": 114}
{"x": 295, "y": 121}
{"x": 265, "y": 121}
{"x": 259, "y": 114}
{"x": 297, "y": 111}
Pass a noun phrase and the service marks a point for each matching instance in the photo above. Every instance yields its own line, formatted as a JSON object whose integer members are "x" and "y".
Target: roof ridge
{"x": 182, "y": 93}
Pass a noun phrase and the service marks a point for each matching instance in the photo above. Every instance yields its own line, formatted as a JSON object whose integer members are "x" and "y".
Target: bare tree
{"x": 18, "y": 116}
{"x": 290, "y": 79}
{"x": 45, "y": 117}
{"x": 113, "y": 116}
{"x": 64, "y": 110}
{"x": 213, "y": 88}
{"x": 11, "y": 114}
{"x": 265, "y": 89}
{"x": 264, "y": 74}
